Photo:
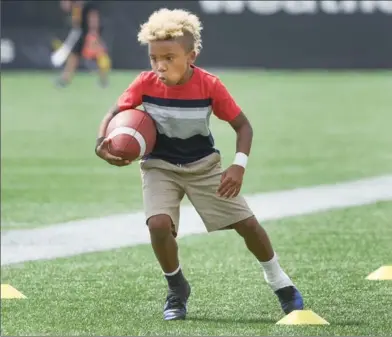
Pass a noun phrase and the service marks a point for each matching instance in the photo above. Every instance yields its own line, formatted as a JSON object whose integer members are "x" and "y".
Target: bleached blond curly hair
{"x": 165, "y": 24}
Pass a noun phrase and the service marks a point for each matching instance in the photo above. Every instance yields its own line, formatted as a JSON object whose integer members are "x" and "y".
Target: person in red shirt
{"x": 181, "y": 97}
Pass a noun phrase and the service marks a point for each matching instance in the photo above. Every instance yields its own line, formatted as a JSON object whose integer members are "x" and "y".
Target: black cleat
{"x": 290, "y": 299}
{"x": 176, "y": 305}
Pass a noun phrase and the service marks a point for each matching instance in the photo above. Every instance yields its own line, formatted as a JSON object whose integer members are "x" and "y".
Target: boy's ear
{"x": 192, "y": 57}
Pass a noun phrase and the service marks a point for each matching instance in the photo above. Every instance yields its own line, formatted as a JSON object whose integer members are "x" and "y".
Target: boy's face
{"x": 170, "y": 61}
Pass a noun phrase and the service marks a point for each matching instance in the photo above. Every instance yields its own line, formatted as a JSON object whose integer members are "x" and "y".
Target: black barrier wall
{"x": 269, "y": 34}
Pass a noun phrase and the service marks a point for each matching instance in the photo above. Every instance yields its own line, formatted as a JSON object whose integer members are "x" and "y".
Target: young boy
{"x": 180, "y": 97}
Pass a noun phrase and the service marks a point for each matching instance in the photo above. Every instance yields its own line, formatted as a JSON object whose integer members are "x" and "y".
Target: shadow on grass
{"x": 262, "y": 321}
{"x": 229, "y": 320}
{"x": 348, "y": 323}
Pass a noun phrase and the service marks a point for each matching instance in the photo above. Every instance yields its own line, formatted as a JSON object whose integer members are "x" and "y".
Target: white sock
{"x": 274, "y": 274}
{"x": 173, "y": 272}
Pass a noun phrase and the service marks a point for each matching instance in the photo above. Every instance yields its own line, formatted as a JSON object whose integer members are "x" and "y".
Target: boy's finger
{"x": 120, "y": 161}
{"x": 230, "y": 192}
{"x": 115, "y": 158}
{"x": 235, "y": 193}
{"x": 224, "y": 189}
{"x": 104, "y": 144}
{"x": 223, "y": 185}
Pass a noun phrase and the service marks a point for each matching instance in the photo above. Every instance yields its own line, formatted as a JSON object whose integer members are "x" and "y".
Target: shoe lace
{"x": 174, "y": 301}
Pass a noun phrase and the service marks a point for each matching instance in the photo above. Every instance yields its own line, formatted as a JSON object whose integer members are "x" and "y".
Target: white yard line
{"x": 92, "y": 235}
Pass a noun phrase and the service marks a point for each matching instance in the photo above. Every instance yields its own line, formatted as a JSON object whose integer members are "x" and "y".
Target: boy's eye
{"x": 169, "y": 58}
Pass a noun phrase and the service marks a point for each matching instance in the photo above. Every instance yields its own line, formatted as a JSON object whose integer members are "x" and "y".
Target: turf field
{"x": 310, "y": 128}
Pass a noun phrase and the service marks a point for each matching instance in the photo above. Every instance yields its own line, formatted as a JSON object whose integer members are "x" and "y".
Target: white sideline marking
{"x": 92, "y": 235}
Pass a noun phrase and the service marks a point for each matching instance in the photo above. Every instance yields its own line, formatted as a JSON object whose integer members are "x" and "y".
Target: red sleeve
{"x": 132, "y": 96}
{"x": 223, "y": 104}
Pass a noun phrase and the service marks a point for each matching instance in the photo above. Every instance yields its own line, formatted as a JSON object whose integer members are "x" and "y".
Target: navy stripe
{"x": 182, "y": 151}
{"x": 178, "y": 103}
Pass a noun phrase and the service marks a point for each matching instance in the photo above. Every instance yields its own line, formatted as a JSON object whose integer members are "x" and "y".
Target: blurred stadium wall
{"x": 263, "y": 34}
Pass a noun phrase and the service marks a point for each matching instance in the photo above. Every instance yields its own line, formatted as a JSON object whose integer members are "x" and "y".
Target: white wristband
{"x": 240, "y": 159}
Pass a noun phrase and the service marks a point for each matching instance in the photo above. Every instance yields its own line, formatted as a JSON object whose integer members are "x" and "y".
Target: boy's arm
{"x": 225, "y": 108}
{"x": 242, "y": 127}
{"x": 105, "y": 122}
{"x": 130, "y": 99}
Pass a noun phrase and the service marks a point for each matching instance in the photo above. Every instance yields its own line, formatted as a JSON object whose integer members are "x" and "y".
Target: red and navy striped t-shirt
{"x": 181, "y": 113}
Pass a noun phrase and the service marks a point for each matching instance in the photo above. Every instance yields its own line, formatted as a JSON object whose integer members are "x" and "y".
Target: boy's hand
{"x": 102, "y": 151}
{"x": 231, "y": 181}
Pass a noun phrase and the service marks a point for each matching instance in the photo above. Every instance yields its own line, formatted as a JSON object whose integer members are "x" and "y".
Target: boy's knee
{"x": 160, "y": 226}
{"x": 247, "y": 226}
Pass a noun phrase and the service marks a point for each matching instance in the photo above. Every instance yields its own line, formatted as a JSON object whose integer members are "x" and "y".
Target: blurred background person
{"x": 90, "y": 47}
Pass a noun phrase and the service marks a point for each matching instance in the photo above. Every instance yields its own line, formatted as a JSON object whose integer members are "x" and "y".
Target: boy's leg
{"x": 104, "y": 62}
{"x": 104, "y": 65}
{"x": 163, "y": 242}
{"x": 220, "y": 213}
{"x": 68, "y": 72}
{"x": 258, "y": 242}
{"x": 72, "y": 63}
{"x": 162, "y": 194}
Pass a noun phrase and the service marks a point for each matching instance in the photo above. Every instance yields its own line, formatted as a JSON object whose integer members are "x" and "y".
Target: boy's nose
{"x": 161, "y": 67}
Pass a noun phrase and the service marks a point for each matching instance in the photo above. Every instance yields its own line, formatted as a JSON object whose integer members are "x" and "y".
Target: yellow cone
{"x": 302, "y": 317}
{"x": 8, "y": 292}
{"x": 382, "y": 273}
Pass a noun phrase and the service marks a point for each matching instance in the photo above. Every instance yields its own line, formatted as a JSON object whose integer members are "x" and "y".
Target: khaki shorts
{"x": 165, "y": 185}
